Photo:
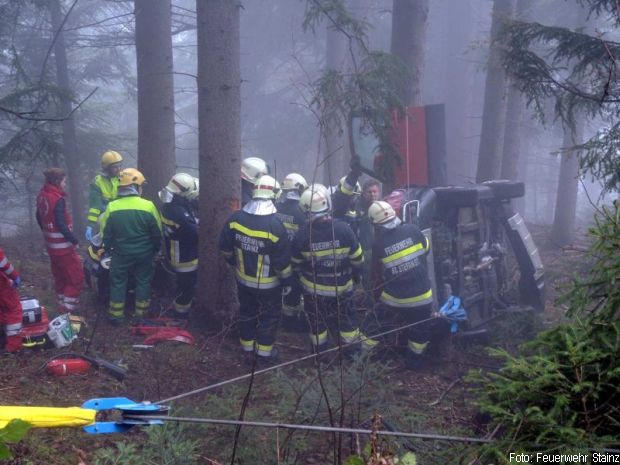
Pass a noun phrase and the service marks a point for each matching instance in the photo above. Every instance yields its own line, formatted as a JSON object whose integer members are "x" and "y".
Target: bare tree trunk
{"x": 69, "y": 139}
{"x": 489, "y": 153}
{"x": 219, "y": 121}
{"x": 512, "y": 134}
{"x": 408, "y": 41}
{"x": 563, "y": 227}
{"x": 156, "y": 143}
{"x": 459, "y": 104}
{"x": 335, "y": 155}
{"x": 515, "y": 106}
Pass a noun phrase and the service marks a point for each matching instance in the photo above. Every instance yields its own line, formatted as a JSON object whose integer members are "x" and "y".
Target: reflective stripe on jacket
{"x": 291, "y": 216}
{"x": 55, "y": 241}
{"x": 180, "y": 234}
{"x": 131, "y": 225}
{"x": 402, "y": 254}
{"x": 327, "y": 254}
{"x": 6, "y": 267}
{"x": 102, "y": 191}
{"x": 257, "y": 246}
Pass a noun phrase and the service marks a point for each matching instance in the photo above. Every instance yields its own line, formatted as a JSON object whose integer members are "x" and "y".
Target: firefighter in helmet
{"x": 181, "y": 237}
{"x": 252, "y": 169}
{"x": 103, "y": 189}
{"x": 346, "y": 197}
{"x": 327, "y": 256}
{"x": 11, "y": 315}
{"x": 255, "y": 242}
{"x": 131, "y": 229}
{"x": 407, "y": 296}
{"x": 57, "y": 225}
{"x": 293, "y": 219}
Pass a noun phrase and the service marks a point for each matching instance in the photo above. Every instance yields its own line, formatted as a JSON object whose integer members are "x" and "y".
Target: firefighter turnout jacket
{"x": 180, "y": 234}
{"x": 328, "y": 256}
{"x": 291, "y": 216}
{"x": 258, "y": 247}
{"x": 402, "y": 253}
{"x": 345, "y": 203}
{"x": 103, "y": 190}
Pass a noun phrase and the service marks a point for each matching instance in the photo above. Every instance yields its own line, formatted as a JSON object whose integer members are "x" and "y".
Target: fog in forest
{"x": 280, "y": 63}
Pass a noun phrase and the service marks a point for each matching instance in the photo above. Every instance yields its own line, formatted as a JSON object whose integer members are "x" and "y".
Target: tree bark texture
{"x": 515, "y": 105}
{"x": 459, "y": 75}
{"x": 69, "y": 139}
{"x": 219, "y": 140}
{"x": 156, "y": 143}
{"x": 408, "y": 42}
{"x": 490, "y": 150}
{"x": 335, "y": 148}
{"x": 511, "y": 146}
{"x": 566, "y": 200}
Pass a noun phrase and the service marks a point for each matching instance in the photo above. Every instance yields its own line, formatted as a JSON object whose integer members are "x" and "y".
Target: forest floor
{"x": 433, "y": 400}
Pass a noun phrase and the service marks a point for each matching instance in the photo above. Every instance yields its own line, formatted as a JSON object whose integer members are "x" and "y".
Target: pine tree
{"x": 579, "y": 72}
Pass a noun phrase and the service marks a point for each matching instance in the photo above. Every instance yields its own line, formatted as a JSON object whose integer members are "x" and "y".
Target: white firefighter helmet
{"x": 266, "y": 188}
{"x": 183, "y": 184}
{"x": 294, "y": 181}
{"x": 253, "y": 168}
{"x": 381, "y": 212}
{"x": 347, "y": 189}
{"x": 315, "y": 200}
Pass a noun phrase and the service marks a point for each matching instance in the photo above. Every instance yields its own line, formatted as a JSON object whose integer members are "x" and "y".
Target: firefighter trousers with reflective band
{"x": 68, "y": 275}
{"x": 186, "y": 286}
{"x": 333, "y": 314}
{"x": 385, "y": 318}
{"x": 142, "y": 268}
{"x": 10, "y": 315}
{"x": 259, "y": 315}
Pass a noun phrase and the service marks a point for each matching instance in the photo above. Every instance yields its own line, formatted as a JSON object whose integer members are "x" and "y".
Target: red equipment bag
{"x": 169, "y": 334}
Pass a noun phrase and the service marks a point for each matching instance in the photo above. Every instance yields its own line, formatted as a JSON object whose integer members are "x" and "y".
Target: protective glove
{"x": 89, "y": 233}
{"x": 17, "y": 282}
{"x": 286, "y": 290}
{"x": 356, "y": 166}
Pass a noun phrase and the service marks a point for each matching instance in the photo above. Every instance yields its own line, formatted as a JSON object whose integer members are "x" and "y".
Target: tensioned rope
{"x": 284, "y": 364}
{"x": 263, "y": 424}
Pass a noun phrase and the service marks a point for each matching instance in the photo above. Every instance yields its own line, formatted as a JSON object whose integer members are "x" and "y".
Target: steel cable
{"x": 284, "y": 364}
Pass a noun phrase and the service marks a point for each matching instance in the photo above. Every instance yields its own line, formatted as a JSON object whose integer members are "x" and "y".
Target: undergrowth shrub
{"x": 562, "y": 393}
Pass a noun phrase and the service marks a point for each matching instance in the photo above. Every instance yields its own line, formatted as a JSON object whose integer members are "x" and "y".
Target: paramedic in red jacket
{"x": 10, "y": 306}
{"x": 55, "y": 221}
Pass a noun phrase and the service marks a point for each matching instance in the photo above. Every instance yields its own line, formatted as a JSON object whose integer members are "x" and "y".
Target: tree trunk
{"x": 566, "y": 200}
{"x": 219, "y": 140}
{"x": 156, "y": 143}
{"x": 512, "y": 134}
{"x": 489, "y": 153}
{"x": 334, "y": 154}
{"x": 511, "y": 150}
{"x": 408, "y": 41}
{"x": 460, "y": 108}
{"x": 69, "y": 139}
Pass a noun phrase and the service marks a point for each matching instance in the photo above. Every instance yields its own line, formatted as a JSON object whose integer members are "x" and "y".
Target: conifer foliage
{"x": 564, "y": 393}
{"x": 580, "y": 72}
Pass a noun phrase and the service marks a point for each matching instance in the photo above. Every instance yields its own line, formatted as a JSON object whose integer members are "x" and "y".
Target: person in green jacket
{"x": 103, "y": 189}
{"x": 132, "y": 234}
